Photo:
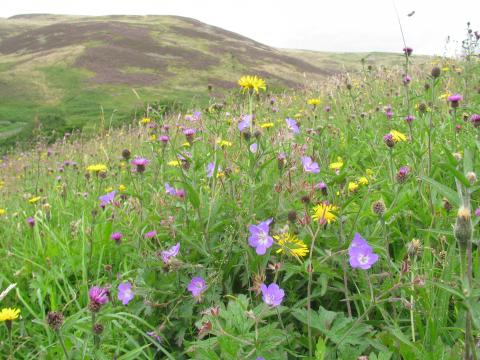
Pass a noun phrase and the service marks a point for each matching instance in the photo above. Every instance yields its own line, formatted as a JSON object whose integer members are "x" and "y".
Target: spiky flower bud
{"x": 126, "y": 154}
{"x": 378, "y": 207}
{"x": 463, "y": 226}
{"x": 98, "y": 328}
{"x": 471, "y": 177}
{"x": 55, "y": 320}
{"x": 414, "y": 247}
{"x": 436, "y": 72}
{"x": 292, "y": 216}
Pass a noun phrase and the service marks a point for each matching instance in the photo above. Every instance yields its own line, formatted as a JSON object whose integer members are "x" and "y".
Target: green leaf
{"x": 320, "y": 349}
{"x": 192, "y": 195}
{"x": 451, "y": 195}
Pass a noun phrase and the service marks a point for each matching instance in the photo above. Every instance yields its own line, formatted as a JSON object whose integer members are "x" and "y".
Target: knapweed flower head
{"x": 407, "y": 79}
{"x": 314, "y": 101}
{"x": 125, "y": 292}
{"x": 31, "y": 221}
{"x": 164, "y": 139}
{"x": 197, "y": 286}
{"x": 475, "y": 120}
{"x": 97, "y": 168}
{"x": 309, "y": 165}
{"x": 9, "y": 314}
{"x": 402, "y": 174}
{"x": 260, "y": 238}
{"x": 254, "y": 83}
{"x": 455, "y": 98}
{"x": 324, "y": 213}
{"x": 140, "y": 164}
{"x": 116, "y": 236}
{"x": 150, "y": 234}
{"x": 388, "y": 140}
{"x": 107, "y": 198}
{"x": 361, "y": 253}
{"x": 98, "y": 296}
{"x": 272, "y": 295}
{"x": 322, "y": 187}
{"x": 170, "y": 253}
{"x": 291, "y": 245}
{"x": 292, "y": 125}
{"x": 407, "y": 50}
{"x": 477, "y": 212}
{"x": 409, "y": 118}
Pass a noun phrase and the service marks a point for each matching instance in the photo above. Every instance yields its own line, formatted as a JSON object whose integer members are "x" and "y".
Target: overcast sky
{"x": 338, "y": 25}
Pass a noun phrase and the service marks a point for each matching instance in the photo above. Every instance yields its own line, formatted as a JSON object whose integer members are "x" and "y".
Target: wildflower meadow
{"x": 334, "y": 221}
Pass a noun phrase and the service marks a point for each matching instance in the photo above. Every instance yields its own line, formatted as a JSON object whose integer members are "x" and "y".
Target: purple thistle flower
{"x": 309, "y": 165}
{"x": 154, "y": 335}
{"x": 107, "y": 198}
{"x": 197, "y": 286}
{"x": 328, "y": 108}
{"x": 180, "y": 193}
{"x": 388, "y": 140}
{"x": 272, "y": 295}
{"x": 125, "y": 293}
{"x": 150, "y": 234}
{"x": 116, "y": 236}
{"x": 31, "y": 221}
{"x": 455, "y": 98}
{"x": 164, "y": 139}
{"x": 98, "y": 295}
{"x": 408, "y": 50}
{"x": 140, "y": 164}
{"x": 172, "y": 252}
{"x": 245, "y": 122}
{"x": 260, "y": 238}
{"x": 292, "y": 125}
{"x": 409, "y": 118}
{"x": 254, "y": 148}
{"x": 188, "y": 132}
{"x": 407, "y": 79}
{"x": 361, "y": 254}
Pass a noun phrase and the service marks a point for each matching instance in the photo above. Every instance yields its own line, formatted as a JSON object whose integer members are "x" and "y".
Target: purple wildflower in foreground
{"x": 407, "y": 79}
{"x": 154, "y": 335}
{"x": 477, "y": 212}
{"x": 197, "y": 286}
{"x": 98, "y": 295}
{"x": 140, "y": 164}
{"x": 408, "y": 50}
{"x": 170, "y": 190}
{"x": 254, "y": 148}
{"x": 107, "y": 198}
{"x": 31, "y": 221}
{"x": 211, "y": 169}
{"x": 309, "y": 165}
{"x": 272, "y": 294}
{"x": 259, "y": 237}
{"x": 245, "y": 122}
{"x": 361, "y": 254}
{"x": 150, "y": 234}
{"x": 292, "y": 125}
{"x": 388, "y": 140}
{"x": 125, "y": 293}
{"x": 116, "y": 236}
{"x": 409, "y": 118}
{"x": 172, "y": 252}
{"x": 455, "y": 100}
{"x": 163, "y": 138}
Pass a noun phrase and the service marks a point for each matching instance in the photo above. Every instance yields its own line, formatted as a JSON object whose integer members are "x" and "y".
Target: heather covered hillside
{"x": 64, "y": 73}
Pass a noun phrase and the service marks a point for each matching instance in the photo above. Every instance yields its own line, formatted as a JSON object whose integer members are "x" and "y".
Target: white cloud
{"x": 342, "y": 25}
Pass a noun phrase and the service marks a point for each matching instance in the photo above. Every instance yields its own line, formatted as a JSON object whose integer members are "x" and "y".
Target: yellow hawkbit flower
{"x": 291, "y": 245}
{"x": 252, "y": 83}
{"x": 2, "y": 212}
{"x": 337, "y": 165}
{"x": 145, "y": 120}
{"x": 9, "y": 314}
{"x": 34, "y": 199}
{"x": 398, "y": 136}
{"x": 174, "y": 163}
{"x": 109, "y": 189}
{"x": 314, "y": 101}
{"x": 97, "y": 168}
{"x": 122, "y": 188}
{"x": 186, "y": 144}
{"x": 352, "y": 186}
{"x": 267, "y": 125}
{"x": 224, "y": 143}
{"x": 363, "y": 180}
{"x": 324, "y": 213}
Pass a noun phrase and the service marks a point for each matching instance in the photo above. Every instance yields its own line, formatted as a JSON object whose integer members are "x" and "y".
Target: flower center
{"x": 363, "y": 259}
{"x": 263, "y": 238}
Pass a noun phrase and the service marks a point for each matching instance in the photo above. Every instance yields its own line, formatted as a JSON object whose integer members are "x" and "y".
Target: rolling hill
{"x": 71, "y": 70}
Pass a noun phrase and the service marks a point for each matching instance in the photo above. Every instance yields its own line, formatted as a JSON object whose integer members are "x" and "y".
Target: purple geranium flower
{"x": 197, "y": 286}
{"x": 245, "y": 122}
{"x": 125, "y": 293}
{"x": 107, "y": 199}
{"x": 98, "y": 295}
{"x": 292, "y": 125}
{"x": 272, "y": 295}
{"x": 170, "y": 190}
{"x": 31, "y": 221}
{"x": 361, "y": 254}
{"x": 254, "y": 148}
{"x": 309, "y": 165}
{"x": 172, "y": 252}
{"x": 260, "y": 238}
{"x": 211, "y": 168}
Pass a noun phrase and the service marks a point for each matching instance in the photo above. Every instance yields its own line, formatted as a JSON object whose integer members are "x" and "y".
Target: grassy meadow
{"x": 330, "y": 222}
